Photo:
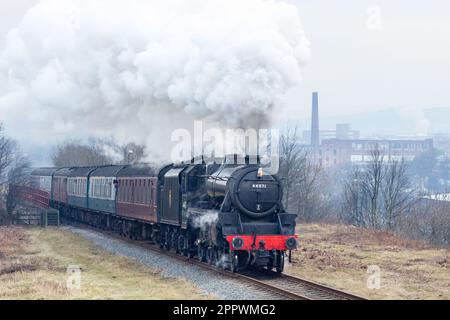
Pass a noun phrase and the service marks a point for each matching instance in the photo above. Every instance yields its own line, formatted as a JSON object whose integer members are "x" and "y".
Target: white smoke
{"x": 206, "y": 220}
{"x": 416, "y": 119}
{"x": 137, "y": 69}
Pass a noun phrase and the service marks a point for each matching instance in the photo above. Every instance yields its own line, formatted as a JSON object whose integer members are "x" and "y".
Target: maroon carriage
{"x": 136, "y": 193}
{"x": 59, "y": 185}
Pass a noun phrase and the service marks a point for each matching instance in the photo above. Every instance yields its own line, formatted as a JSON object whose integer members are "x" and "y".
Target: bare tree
{"x": 311, "y": 195}
{"x": 290, "y": 158}
{"x": 7, "y": 146}
{"x": 303, "y": 181}
{"x": 18, "y": 175}
{"x": 353, "y": 200}
{"x": 96, "y": 152}
{"x": 429, "y": 220}
{"x": 12, "y": 166}
{"x": 378, "y": 194}
{"x": 131, "y": 152}
{"x": 371, "y": 187}
{"x": 75, "y": 153}
{"x": 396, "y": 191}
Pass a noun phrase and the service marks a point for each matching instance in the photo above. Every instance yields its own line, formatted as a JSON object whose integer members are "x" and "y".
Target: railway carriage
{"x": 102, "y": 189}
{"x": 78, "y": 187}
{"x": 136, "y": 193}
{"x": 41, "y": 179}
{"x": 40, "y": 190}
{"x": 59, "y": 185}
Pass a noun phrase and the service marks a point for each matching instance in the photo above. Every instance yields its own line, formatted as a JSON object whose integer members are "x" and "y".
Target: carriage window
{"x": 139, "y": 200}
{"x": 147, "y": 191}
{"x": 136, "y": 191}
{"x": 109, "y": 185}
{"x": 128, "y": 191}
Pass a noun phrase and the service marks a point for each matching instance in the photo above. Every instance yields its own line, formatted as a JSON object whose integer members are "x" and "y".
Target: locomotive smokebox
{"x": 250, "y": 191}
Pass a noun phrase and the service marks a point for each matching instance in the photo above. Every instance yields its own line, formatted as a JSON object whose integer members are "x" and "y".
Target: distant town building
{"x": 438, "y": 201}
{"x": 331, "y": 148}
{"x": 336, "y": 152}
{"x": 343, "y": 131}
{"x": 442, "y": 142}
{"x": 439, "y": 197}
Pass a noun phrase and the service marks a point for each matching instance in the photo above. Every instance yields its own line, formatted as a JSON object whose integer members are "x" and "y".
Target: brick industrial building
{"x": 344, "y": 146}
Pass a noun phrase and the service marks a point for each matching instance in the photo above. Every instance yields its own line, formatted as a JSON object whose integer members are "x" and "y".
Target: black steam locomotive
{"x": 229, "y": 214}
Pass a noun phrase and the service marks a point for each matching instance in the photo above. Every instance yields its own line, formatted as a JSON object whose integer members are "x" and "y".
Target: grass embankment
{"x": 34, "y": 262}
{"x": 339, "y": 256}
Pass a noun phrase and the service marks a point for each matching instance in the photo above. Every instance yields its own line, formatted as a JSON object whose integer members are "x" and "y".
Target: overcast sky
{"x": 366, "y": 55}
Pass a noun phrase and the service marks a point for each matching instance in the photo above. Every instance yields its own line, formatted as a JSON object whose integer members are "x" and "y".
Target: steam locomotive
{"x": 225, "y": 213}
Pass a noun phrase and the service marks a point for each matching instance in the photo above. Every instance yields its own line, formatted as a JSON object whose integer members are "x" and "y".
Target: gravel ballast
{"x": 209, "y": 282}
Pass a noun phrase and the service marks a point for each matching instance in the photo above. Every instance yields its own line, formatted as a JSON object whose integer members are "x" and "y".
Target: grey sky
{"x": 404, "y": 63}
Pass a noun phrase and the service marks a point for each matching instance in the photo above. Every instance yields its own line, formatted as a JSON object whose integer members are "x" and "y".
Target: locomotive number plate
{"x": 259, "y": 186}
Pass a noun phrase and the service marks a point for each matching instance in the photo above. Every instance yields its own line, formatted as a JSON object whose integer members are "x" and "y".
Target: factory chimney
{"x": 315, "y": 120}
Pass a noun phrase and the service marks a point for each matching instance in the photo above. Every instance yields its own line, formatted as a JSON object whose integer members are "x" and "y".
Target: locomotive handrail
{"x": 215, "y": 177}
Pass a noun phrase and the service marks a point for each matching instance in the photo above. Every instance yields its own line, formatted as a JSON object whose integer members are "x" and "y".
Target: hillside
{"x": 339, "y": 256}
{"x": 34, "y": 265}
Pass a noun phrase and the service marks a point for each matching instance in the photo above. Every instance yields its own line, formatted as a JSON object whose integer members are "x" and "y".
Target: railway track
{"x": 301, "y": 288}
{"x": 274, "y": 285}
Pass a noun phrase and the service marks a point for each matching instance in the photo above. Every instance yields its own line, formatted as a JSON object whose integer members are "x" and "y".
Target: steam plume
{"x": 136, "y": 69}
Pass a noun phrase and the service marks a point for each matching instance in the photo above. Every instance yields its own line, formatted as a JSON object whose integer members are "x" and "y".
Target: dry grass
{"x": 339, "y": 255}
{"x": 33, "y": 265}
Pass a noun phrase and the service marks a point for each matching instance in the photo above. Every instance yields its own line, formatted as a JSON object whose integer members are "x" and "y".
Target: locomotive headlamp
{"x": 260, "y": 172}
{"x": 238, "y": 242}
{"x": 291, "y": 243}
